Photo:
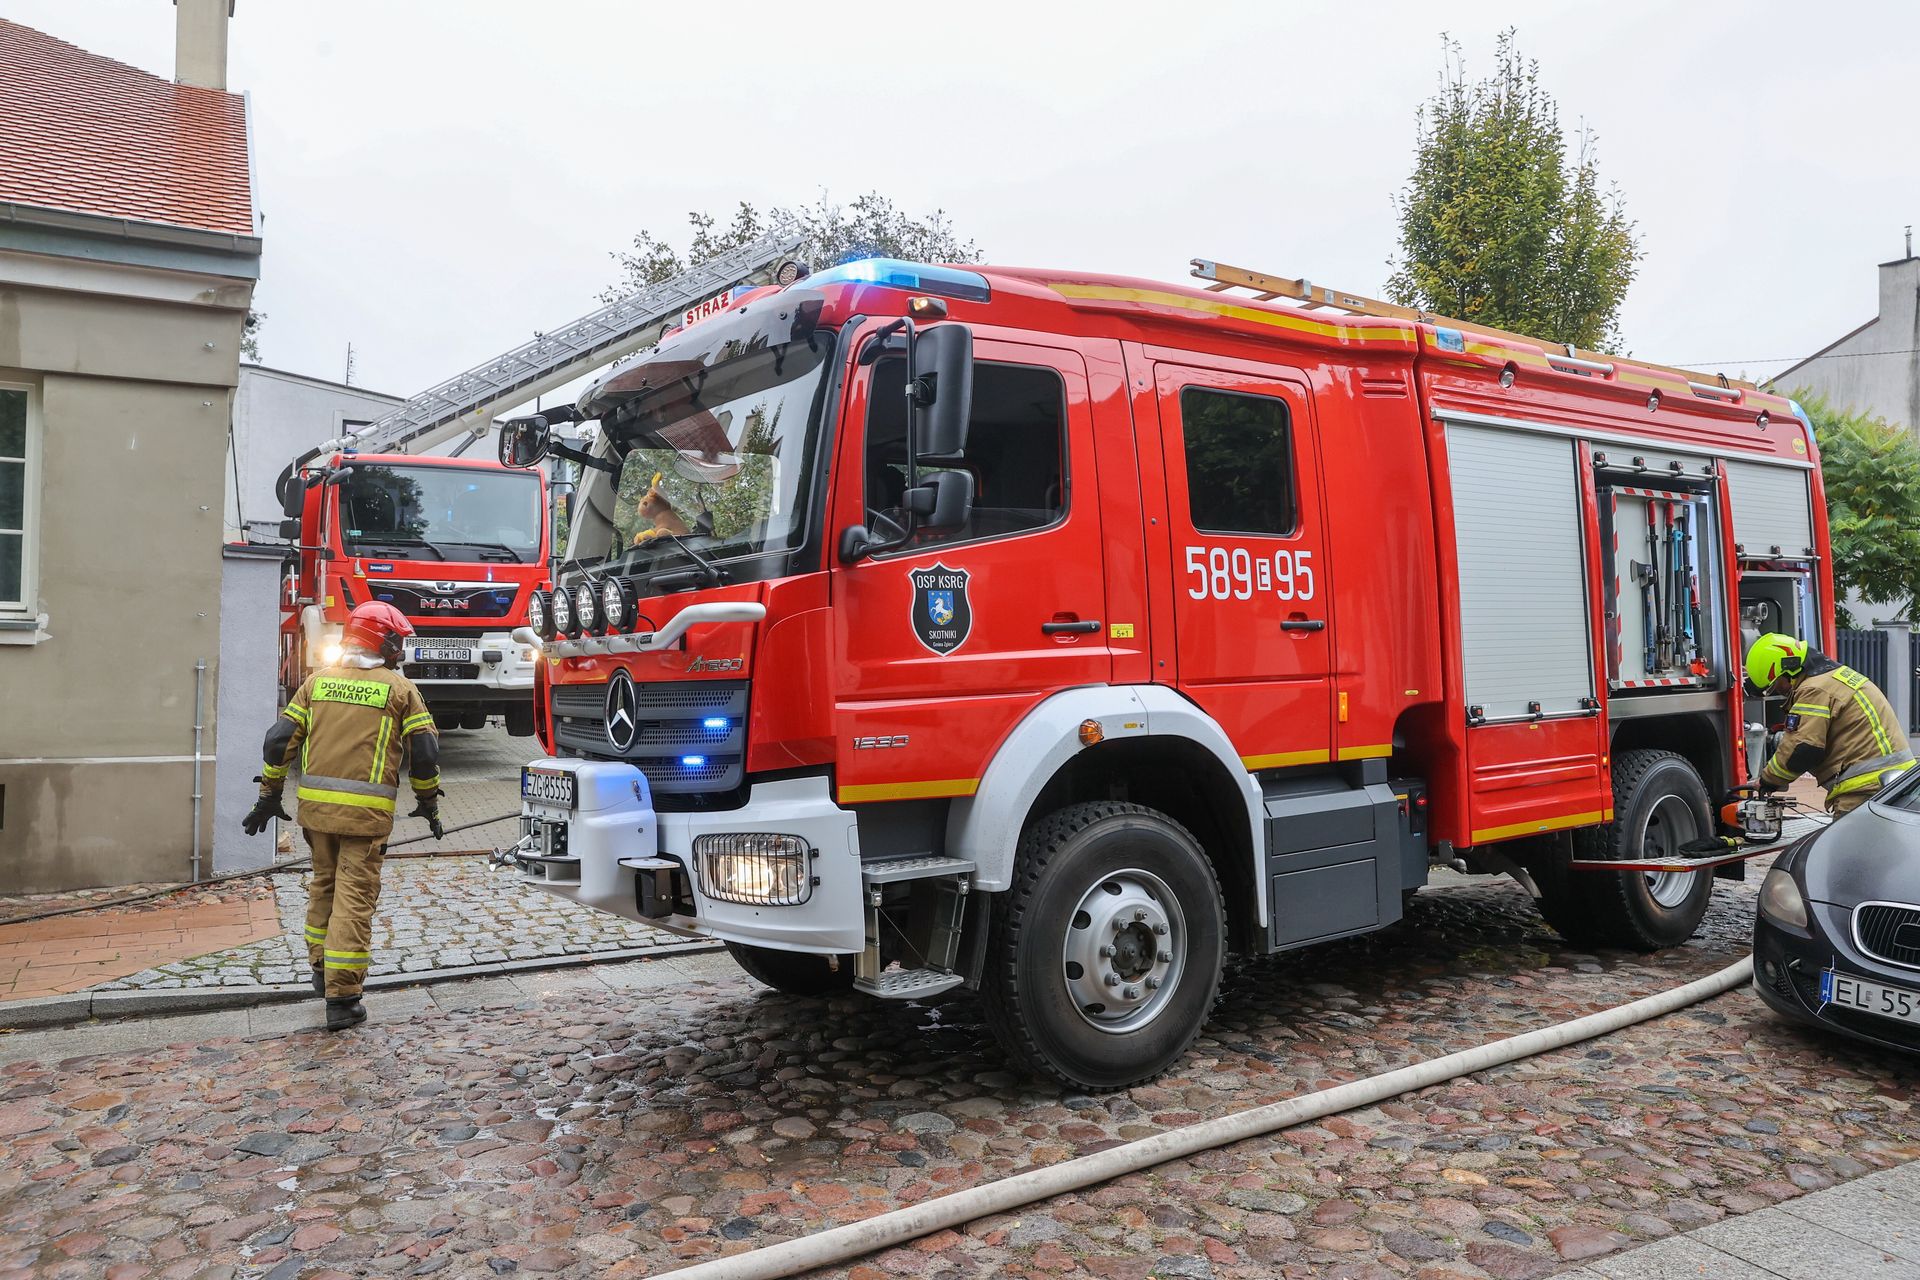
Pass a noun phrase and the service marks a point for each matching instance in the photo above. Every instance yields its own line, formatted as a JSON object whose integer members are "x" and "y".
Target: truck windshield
{"x": 440, "y": 513}
{"x": 716, "y": 460}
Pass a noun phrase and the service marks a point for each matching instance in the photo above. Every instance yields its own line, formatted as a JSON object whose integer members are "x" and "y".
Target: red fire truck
{"x": 458, "y": 545}
{"x": 1054, "y": 634}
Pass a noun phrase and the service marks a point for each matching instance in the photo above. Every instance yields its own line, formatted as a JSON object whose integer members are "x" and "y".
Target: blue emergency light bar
{"x": 947, "y": 282}
{"x": 692, "y": 762}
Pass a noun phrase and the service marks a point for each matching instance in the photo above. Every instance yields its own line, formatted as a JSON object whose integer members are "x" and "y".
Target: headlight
{"x": 1780, "y": 898}
{"x": 540, "y": 614}
{"x": 331, "y": 653}
{"x": 616, "y": 605}
{"x": 771, "y": 870}
{"x": 529, "y": 655}
{"x": 586, "y": 608}
{"x": 563, "y": 612}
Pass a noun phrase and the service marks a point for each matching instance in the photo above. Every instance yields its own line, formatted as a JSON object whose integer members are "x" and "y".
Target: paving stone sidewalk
{"x": 435, "y": 914}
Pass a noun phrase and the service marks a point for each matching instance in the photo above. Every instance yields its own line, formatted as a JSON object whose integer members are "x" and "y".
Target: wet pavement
{"x": 622, "y": 1120}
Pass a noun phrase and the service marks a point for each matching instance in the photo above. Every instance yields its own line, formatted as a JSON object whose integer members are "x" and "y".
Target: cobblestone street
{"x": 621, "y": 1120}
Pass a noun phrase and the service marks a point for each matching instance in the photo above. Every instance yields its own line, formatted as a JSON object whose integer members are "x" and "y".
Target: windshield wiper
{"x": 500, "y": 547}
{"x": 398, "y": 542}
{"x": 712, "y": 573}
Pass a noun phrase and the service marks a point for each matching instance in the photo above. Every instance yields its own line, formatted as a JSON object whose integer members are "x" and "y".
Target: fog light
{"x": 1780, "y": 898}
{"x": 769, "y": 870}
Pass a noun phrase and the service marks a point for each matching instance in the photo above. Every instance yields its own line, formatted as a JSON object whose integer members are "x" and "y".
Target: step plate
{"x": 922, "y": 868}
{"x": 909, "y": 984}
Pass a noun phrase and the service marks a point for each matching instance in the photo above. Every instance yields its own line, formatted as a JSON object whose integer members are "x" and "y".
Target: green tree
{"x": 869, "y": 227}
{"x": 1497, "y": 226}
{"x": 250, "y": 335}
{"x": 1872, "y": 476}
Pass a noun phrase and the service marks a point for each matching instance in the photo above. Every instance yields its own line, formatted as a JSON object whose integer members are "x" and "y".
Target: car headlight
{"x": 771, "y": 870}
{"x": 331, "y": 653}
{"x": 1780, "y": 899}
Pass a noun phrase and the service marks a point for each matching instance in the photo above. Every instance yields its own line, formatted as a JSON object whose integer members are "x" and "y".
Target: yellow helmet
{"x": 1774, "y": 655}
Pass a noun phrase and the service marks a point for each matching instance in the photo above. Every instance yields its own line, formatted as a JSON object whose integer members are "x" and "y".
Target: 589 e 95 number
{"x": 1235, "y": 573}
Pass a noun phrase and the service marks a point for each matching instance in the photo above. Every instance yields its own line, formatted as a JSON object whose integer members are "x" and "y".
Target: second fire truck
{"x": 1054, "y": 634}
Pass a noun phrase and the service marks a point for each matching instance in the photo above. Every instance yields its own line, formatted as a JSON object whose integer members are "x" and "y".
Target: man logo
{"x": 941, "y": 613}
{"x": 623, "y": 706}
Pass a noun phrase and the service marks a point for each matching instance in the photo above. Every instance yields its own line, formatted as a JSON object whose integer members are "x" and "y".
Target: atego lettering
{"x": 361, "y": 693}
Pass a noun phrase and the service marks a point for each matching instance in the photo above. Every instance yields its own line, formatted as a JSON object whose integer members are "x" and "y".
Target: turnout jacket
{"x": 350, "y": 731}
{"x": 1841, "y": 729}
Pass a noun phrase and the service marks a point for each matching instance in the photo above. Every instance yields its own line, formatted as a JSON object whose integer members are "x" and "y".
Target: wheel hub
{"x": 1125, "y": 950}
{"x": 1670, "y": 826}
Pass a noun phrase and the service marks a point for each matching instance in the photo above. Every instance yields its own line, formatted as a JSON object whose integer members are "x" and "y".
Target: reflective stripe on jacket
{"x": 352, "y": 734}
{"x": 1842, "y": 729}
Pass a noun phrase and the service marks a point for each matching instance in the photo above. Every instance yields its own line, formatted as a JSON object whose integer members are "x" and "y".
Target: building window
{"x": 19, "y": 486}
{"x": 1239, "y": 462}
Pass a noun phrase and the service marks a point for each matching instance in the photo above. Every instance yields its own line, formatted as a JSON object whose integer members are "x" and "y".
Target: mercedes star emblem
{"x": 623, "y": 704}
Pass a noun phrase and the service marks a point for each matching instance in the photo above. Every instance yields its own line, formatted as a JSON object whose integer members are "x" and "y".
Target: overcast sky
{"x": 440, "y": 178}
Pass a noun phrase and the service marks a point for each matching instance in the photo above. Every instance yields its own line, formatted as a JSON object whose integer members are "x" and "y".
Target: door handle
{"x": 1304, "y": 624}
{"x": 1086, "y": 628}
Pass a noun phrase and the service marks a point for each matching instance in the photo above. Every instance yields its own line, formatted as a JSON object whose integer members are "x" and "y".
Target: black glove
{"x": 267, "y": 807}
{"x": 427, "y": 805}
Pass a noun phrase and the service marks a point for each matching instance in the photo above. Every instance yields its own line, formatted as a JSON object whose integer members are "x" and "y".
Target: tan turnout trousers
{"x": 340, "y": 902}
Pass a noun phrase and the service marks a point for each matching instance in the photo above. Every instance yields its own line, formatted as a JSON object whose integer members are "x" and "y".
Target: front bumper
{"x": 507, "y": 679}
{"x": 597, "y": 854}
{"x": 1787, "y": 964}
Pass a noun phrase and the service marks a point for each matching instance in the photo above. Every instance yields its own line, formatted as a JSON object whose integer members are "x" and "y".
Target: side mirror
{"x": 942, "y": 390}
{"x": 290, "y": 530}
{"x": 942, "y": 500}
{"x": 524, "y": 441}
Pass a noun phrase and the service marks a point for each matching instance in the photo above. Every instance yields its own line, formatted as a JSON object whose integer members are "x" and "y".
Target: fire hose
{"x": 855, "y": 1240}
{"x": 288, "y": 864}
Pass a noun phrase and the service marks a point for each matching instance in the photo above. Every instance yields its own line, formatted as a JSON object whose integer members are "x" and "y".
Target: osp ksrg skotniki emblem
{"x": 942, "y": 614}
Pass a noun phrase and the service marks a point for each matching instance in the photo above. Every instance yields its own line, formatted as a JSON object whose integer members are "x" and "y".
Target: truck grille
{"x": 461, "y": 600}
{"x": 672, "y": 744}
{"x": 1889, "y": 931}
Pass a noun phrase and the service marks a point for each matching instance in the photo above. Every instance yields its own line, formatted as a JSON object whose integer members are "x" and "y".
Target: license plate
{"x": 542, "y": 787}
{"x": 441, "y": 653}
{"x": 1897, "y": 1003}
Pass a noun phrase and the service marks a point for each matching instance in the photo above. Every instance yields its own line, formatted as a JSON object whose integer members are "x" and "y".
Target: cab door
{"x": 1251, "y": 602}
{"x": 944, "y": 644}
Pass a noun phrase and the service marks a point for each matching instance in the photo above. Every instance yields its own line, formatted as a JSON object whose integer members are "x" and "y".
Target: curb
{"x": 90, "y": 1006}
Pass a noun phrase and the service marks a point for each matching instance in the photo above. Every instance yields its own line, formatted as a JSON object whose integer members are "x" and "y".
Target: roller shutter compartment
{"x": 1770, "y": 509}
{"x": 1524, "y": 619}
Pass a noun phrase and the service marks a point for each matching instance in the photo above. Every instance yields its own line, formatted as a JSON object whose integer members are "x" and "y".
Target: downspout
{"x": 199, "y": 707}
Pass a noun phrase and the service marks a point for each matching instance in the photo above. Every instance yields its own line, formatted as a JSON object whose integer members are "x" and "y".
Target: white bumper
{"x": 510, "y": 673}
{"x": 614, "y": 822}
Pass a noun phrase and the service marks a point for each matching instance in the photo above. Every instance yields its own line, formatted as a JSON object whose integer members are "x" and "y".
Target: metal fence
{"x": 1865, "y": 652}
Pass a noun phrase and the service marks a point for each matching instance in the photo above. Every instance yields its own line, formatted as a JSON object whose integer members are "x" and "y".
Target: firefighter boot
{"x": 344, "y": 1012}
{"x": 319, "y": 980}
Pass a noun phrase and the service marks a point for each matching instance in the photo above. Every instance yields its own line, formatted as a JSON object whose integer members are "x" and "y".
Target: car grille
{"x": 440, "y": 671}
{"x": 465, "y": 600}
{"x": 1889, "y": 931}
{"x": 670, "y": 729}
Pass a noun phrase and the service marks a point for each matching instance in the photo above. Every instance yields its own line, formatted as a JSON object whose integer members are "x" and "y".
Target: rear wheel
{"x": 1105, "y": 961}
{"x": 519, "y": 721}
{"x": 797, "y": 973}
{"x": 473, "y": 719}
{"x": 1659, "y": 807}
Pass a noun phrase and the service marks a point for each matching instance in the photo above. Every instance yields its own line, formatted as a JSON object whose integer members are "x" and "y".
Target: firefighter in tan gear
{"x": 351, "y": 729}
{"x": 1840, "y": 727}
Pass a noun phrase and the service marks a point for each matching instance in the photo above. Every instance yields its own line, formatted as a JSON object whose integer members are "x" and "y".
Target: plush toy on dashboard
{"x": 655, "y": 507}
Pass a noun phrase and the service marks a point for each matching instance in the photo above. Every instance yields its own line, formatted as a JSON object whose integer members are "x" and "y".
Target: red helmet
{"x": 378, "y": 627}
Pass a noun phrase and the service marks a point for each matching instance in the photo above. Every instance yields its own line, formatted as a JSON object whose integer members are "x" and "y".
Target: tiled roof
{"x": 86, "y": 134}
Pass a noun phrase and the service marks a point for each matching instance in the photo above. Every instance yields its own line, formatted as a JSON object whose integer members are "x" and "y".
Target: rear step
{"x": 953, "y": 878}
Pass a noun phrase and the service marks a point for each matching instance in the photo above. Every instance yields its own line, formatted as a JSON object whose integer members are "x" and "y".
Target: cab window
{"x": 1239, "y": 462}
{"x": 1016, "y": 452}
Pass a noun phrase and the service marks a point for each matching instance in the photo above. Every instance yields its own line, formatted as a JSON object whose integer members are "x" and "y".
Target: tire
{"x": 1087, "y": 873}
{"x": 519, "y": 721}
{"x": 1659, "y": 803}
{"x": 473, "y": 719}
{"x": 797, "y": 973}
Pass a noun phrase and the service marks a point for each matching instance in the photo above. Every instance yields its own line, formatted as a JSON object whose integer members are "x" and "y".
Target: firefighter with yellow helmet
{"x": 1840, "y": 727}
{"x": 351, "y": 729}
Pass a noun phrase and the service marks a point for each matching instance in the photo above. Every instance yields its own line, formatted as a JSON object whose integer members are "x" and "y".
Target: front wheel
{"x": 1659, "y": 807}
{"x": 1105, "y": 959}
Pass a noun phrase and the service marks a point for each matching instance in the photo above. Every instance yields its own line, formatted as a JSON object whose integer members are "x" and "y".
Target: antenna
{"x": 349, "y": 378}
{"x": 1909, "y": 239}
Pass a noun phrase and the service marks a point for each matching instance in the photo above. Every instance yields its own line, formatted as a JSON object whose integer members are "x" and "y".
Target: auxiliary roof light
{"x": 586, "y": 608}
